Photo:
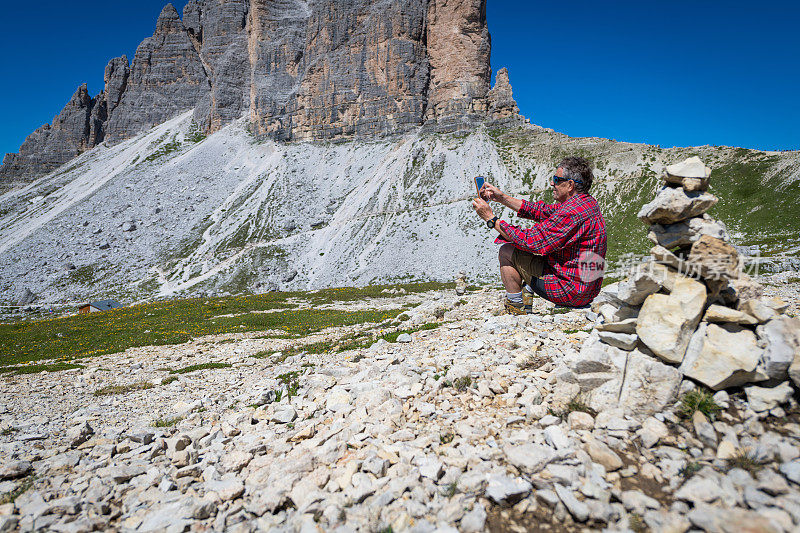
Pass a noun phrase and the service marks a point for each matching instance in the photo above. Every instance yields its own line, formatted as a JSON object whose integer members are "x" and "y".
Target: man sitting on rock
{"x": 561, "y": 257}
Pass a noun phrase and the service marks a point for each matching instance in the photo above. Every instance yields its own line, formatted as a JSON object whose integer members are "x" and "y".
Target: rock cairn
{"x": 689, "y": 311}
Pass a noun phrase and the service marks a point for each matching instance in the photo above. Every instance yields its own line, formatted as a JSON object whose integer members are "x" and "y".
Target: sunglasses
{"x": 559, "y": 179}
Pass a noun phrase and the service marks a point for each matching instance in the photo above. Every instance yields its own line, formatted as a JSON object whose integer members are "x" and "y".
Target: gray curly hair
{"x": 580, "y": 170}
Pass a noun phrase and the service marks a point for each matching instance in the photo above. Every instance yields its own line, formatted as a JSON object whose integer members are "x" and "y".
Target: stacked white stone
{"x": 689, "y": 311}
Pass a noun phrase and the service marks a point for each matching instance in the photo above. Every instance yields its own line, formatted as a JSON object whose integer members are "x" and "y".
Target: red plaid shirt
{"x": 564, "y": 232}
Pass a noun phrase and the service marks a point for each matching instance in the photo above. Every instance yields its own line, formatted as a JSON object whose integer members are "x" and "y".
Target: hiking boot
{"x": 527, "y": 302}
{"x": 513, "y": 308}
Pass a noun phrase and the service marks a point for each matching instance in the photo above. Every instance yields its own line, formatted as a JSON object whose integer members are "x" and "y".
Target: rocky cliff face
{"x": 298, "y": 69}
{"x": 74, "y": 130}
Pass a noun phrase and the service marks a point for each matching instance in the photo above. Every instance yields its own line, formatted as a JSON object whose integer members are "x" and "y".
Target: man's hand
{"x": 490, "y": 193}
{"x": 482, "y": 208}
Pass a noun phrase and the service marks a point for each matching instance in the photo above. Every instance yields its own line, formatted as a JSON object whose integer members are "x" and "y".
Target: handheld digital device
{"x": 479, "y": 181}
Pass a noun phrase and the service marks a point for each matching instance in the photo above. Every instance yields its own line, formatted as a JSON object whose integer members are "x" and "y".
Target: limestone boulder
{"x": 675, "y": 205}
{"x": 624, "y": 341}
{"x": 742, "y": 288}
{"x": 726, "y": 315}
{"x": 612, "y": 378}
{"x": 623, "y": 326}
{"x": 713, "y": 258}
{"x": 781, "y": 336}
{"x": 640, "y": 384}
{"x": 757, "y": 309}
{"x": 666, "y": 322}
{"x": 687, "y": 232}
{"x": 636, "y": 288}
{"x": 762, "y": 399}
{"x": 691, "y": 173}
{"x": 722, "y": 356}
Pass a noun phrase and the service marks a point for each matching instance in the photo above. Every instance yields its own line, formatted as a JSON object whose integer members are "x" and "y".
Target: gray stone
{"x": 123, "y": 474}
{"x": 284, "y": 414}
{"x": 691, "y": 167}
{"x": 15, "y": 469}
{"x": 79, "y": 434}
{"x": 506, "y": 490}
{"x": 782, "y": 338}
{"x": 638, "y": 502}
{"x": 722, "y": 357}
{"x": 26, "y": 297}
{"x": 475, "y": 520}
{"x": 578, "y": 509}
{"x": 431, "y": 468}
{"x": 226, "y": 489}
{"x": 686, "y": 233}
{"x": 8, "y": 523}
{"x": 404, "y": 337}
{"x": 636, "y": 288}
{"x": 761, "y": 399}
{"x": 712, "y": 518}
{"x": 652, "y": 431}
{"x": 530, "y": 458}
{"x": 726, "y": 315}
{"x": 704, "y": 429}
{"x": 556, "y": 438}
{"x": 666, "y": 322}
{"x": 602, "y": 454}
{"x": 623, "y": 326}
{"x": 674, "y": 205}
{"x": 623, "y": 341}
{"x": 758, "y": 309}
{"x": 791, "y": 470}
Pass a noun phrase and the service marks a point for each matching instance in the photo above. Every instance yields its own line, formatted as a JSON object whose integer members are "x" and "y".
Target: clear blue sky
{"x": 673, "y": 73}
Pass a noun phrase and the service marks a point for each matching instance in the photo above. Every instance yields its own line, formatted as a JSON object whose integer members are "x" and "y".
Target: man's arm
{"x": 537, "y": 211}
{"x": 546, "y": 237}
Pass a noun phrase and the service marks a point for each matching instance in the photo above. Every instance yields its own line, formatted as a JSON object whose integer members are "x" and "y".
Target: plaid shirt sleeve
{"x": 545, "y": 237}
{"x": 537, "y": 211}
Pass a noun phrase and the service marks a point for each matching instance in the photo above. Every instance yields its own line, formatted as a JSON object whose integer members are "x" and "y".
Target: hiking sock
{"x": 527, "y": 289}
{"x": 514, "y": 297}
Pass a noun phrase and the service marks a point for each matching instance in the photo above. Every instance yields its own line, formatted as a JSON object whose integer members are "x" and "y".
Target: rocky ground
{"x": 469, "y": 426}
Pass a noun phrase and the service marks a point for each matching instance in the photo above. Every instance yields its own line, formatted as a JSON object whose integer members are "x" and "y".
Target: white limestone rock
{"x": 782, "y": 338}
{"x": 623, "y": 341}
{"x": 722, "y": 356}
{"x": 634, "y": 289}
{"x": 761, "y": 399}
{"x": 674, "y": 205}
{"x": 687, "y": 232}
{"x": 666, "y": 322}
{"x": 726, "y": 315}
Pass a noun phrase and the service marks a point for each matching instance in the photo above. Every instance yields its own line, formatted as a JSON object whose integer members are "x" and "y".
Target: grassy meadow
{"x": 66, "y": 340}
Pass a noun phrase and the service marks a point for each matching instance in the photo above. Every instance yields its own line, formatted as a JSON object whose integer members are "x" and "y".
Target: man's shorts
{"x": 528, "y": 265}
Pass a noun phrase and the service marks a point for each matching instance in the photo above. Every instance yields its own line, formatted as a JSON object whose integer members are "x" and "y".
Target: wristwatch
{"x": 490, "y": 223}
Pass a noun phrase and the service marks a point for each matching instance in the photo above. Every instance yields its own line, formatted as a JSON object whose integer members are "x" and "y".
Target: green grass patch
{"x": 392, "y": 337}
{"x": 698, "y": 400}
{"x": 36, "y": 369}
{"x": 169, "y": 379}
{"x": 10, "y": 497}
{"x": 461, "y": 384}
{"x": 168, "y": 322}
{"x": 689, "y": 470}
{"x": 201, "y": 366}
{"x": 345, "y": 294}
{"x": 167, "y": 422}
{"x": 123, "y": 389}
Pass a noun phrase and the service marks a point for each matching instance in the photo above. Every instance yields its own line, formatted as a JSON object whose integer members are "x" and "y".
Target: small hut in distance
{"x": 101, "y": 305}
